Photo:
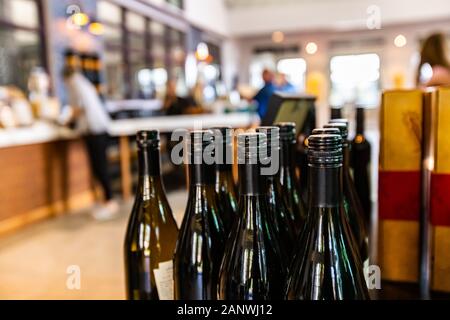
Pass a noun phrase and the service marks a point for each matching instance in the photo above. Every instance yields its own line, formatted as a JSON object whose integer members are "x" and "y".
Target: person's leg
{"x": 97, "y": 146}
{"x": 103, "y": 166}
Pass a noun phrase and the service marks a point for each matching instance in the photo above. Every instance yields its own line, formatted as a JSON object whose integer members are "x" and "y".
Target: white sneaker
{"x": 106, "y": 212}
{"x": 113, "y": 206}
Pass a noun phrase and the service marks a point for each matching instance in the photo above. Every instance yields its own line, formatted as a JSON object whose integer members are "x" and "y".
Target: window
{"x": 176, "y": 3}
{"x": 114, "y": 71}
{"x": 355, "y": 79}
{"x": 212, "y": 74}
{"x": 135, "y": 26}
{"x": 260, "y": 62}
{"x": 178, "y": 59}
{"x": 109, "y": 13}
{"x": 114, "y": 65}
{"x": 112, "y": 36}
{"x": 20, "y": 12}
{"x": 21, "y": 47}
{"x": 146, "y": 53}
{"x": 158, "y": 48}
{"x": 294, "y": 70}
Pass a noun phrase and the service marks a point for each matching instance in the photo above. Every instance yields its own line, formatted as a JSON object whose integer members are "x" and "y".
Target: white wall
{"x": 329, "y": 14}
{"x": 230, "y": 61}
{"x": 210, "y": 15}
{"x": 393, "y": 60}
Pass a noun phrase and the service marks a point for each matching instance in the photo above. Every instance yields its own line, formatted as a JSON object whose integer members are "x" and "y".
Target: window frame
{"x": 355, "y": 52}
{"x": 39, "y": 30}
{"x": 150, "y": 39}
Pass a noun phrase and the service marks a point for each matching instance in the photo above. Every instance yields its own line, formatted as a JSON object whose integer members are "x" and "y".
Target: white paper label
{"x": 164, "y": 280}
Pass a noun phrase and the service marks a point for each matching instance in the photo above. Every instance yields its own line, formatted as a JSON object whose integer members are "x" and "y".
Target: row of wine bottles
{"x": 258, "y": 242}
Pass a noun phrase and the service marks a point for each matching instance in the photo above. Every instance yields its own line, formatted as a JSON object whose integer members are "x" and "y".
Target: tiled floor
{"x": 34, "y": 261}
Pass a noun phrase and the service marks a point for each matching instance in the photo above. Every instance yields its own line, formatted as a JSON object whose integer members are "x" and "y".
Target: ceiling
{"x": 248, "y": 3}
{"x": 251, "y": 17}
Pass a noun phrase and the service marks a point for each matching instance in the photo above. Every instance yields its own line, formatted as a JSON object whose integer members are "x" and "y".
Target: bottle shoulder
{"x": 351, "y": 199}
{"x": 153, "y": 206}
{"x": 151, "y": 229}
{"x": 202, "y": 200}
{"x": 255, "y": 230}
{"x": 225, "y": 184}
{"x": 253, "y": 266}
{"x": 201, "y": 221}
{"x": 333, "y": 269}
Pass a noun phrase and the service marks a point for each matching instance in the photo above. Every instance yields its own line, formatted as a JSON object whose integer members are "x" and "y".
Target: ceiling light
{"x": 202, "y": 52}
{"x": 278, "y": 37}
{"x": 80, "y": 19}
{"x": 400, "y": 41}
{"x": 96, "y": 28}
{"x": 311, "y": 48}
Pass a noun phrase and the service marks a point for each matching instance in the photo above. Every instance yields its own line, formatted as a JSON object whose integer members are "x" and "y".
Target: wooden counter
{"x": 41, "y": 180}
{"x": 44, "y": 169}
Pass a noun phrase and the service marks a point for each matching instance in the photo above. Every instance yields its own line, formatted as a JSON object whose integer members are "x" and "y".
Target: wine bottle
{"x": 317, "y": 131}
{"x": 288, "y": 178}
{"x": 339, "y": 120}
{"x": 360, "y": 163}
{"x": 326, "y": 131}
{"x": 326, "y": 266}
{"x": 302, "y": 163}
{"x": 352, "y": 203}
{"x": 278, "y": 209}
{"x": 202, "y": 236}
{"x": 225, "y": 186}
{"x": 253, "y": 266}
{"x": 152, "y": 231}
{"x": 335, "y": 112}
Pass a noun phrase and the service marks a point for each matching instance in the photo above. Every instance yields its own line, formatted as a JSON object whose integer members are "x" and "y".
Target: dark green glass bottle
{"x": 225, "y": 186}
{"x": 152, "y": 232}
{"x": 326, "y": 266}
{"x": 288, "y": 177}
{"x": 253, "y": 265}
{"x": 202, "y": 236}
{"x": 360, "y": 163}
{"x": 352, "y": 204}
{"x": 354, "y": 241}
{"x": 335, "y": 112}
{"x": 279, "y": 211}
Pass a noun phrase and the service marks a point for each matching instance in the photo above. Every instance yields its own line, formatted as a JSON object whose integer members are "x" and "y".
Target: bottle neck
{"x": 325, "y": 186}
{"x": 148, "y": 161}
{"x": 225, "y": 167}
{"x": 224, "y": 177}
{"x": 272, "y": 169}
{"x": 360, "y": 122}
{"x": 202, "y": 174}
{"x": 346, "y": 158}
{"x": 251, "y": 181}
{"x": 225, "y": 158}
{"x": 253, "y": 212}
{"x": 287, "y": 152}
{"x": 148, "y": 170}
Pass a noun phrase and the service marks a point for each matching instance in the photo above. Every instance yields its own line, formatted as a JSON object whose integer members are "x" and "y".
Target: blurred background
{"x": 168, "y": 64}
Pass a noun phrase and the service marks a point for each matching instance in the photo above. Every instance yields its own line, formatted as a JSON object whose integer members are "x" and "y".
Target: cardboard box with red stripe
{"x": 438, "y": 158}
{"x": 399, "y": 192}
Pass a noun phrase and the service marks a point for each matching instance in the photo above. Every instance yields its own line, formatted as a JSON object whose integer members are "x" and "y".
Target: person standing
{"x": 92, "y": 121}
{"x": 283, "y": 84}
{"x": 434, "y": 54}
{"x": 264, "y": 94}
